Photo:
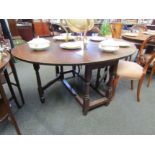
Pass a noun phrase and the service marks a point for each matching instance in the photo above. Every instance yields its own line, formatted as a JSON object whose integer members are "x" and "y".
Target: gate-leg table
{"x": 91, "y": 58}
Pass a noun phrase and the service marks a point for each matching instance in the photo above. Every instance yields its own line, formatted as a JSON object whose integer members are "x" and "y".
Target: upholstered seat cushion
{"x": 129, "y": 70}
{"x": 147, "y": 56}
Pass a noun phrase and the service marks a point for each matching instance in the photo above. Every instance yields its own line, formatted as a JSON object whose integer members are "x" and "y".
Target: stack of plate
{"x": 109, "y": 45}
{"x": 122, "y": 43}
{"x": 39, "y": 44}
{"x": 63, "y": 37}
{"x": 71, "y": 45}
{"x": 130, "y": 34}
{"x": 97, "y": 38}
{"x": 149, "y": 32}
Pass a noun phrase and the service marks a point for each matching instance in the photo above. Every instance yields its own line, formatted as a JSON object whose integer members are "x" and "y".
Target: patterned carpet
{"x": 62, "y": 115}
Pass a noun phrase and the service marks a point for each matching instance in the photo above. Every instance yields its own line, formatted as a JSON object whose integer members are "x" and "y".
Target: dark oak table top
{"x": 137, "y": 39}
{"x": 55, "y": 55}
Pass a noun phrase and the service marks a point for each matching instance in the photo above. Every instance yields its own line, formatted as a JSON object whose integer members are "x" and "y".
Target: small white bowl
{"x": 39, "y": 44}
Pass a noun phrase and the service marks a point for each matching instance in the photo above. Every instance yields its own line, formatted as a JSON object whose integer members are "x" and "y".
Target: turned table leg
{"x": 112, "y": 73}
{"x": 86, "y": 100}
{"x": 57, "y": 70}
{"x": 61, "y": 72}
{"x": 40, "y": 89}
{"x": 98, "y": 78}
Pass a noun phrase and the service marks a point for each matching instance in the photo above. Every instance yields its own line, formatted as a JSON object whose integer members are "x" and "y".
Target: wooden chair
{"x": 134, "y": 70}
{"x": 5, "y": 112}
{"x": 147, "y": 56}
{"x": 140, "y": 28}
{"x": 55, "y": 29}
{"x": 152, "y": 65}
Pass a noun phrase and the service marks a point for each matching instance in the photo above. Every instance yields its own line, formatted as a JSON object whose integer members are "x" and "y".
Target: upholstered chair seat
{"x": 129, "y": 70}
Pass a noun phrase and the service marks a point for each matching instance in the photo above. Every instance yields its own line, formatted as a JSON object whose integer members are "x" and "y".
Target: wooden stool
{"x": 5, "y": 112}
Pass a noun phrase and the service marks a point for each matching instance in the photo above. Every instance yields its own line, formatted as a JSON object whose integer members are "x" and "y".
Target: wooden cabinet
{"x": 41, "y": 28}
{"x": 25, "y": 31}
{"x": 13, "y": 28}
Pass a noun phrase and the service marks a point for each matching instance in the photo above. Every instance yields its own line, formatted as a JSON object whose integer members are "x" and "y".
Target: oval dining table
{"x": 91, "y": 57}
{"x": 139, "y": 39}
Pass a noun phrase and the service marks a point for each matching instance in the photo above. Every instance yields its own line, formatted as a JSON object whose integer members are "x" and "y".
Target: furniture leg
{"x": 40, "y": 89}
{"x": 11, "y": 88}
{"x": 74, "y": 68}
{"x": 61, "y": 72}
{"x": 111, "y": 85}
{"x": 79, "y": 67}
{"x": 88, "y": 73}
{"x": 57, "y": 70}
{"x": 16, "y": 80}
{"x": 106, "y": 72}
{"x": 14, "y": 123}
{"x": 115, "y": 83}
{"x": 98, "y": 78}
{"x": 151, "y": 75}
{"x": 139, "y": 88}
{"x": 132, "y": 84}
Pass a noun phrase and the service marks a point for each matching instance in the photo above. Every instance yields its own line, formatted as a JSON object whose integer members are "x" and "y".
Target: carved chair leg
{"x": 40, "y": 89}
{"x": 115, "y": 83}
{"x": 14, "y": 123}
{"x": 132, "y": 83}
{"x": 139, "y": 88}
{"x": 151, "y": 75}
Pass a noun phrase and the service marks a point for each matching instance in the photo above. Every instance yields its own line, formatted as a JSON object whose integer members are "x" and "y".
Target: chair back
{"x": 148, "y": 63}
{"x": 140, "y": 28}
{"x": 141, "y": 58}
{"x": 116, "y": 29}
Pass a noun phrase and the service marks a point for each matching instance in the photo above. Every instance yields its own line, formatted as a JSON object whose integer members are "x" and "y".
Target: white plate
{"x": 109, "y": 49}
{"x": 71, "y": 45}
{"x": 123, "y": 44}
{"x": 109, "y": 42}
{"x": 131, "y": 34}
{"x": 149, "y": 32}
{"x": 63, "y": 37}
{"x": 65, "y": 34}
{"x": 97, "y": 38}
{"x": 38, "y": 41}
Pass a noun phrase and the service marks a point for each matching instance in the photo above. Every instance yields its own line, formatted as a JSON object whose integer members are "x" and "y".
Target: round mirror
{"x": 80, "y": 25}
